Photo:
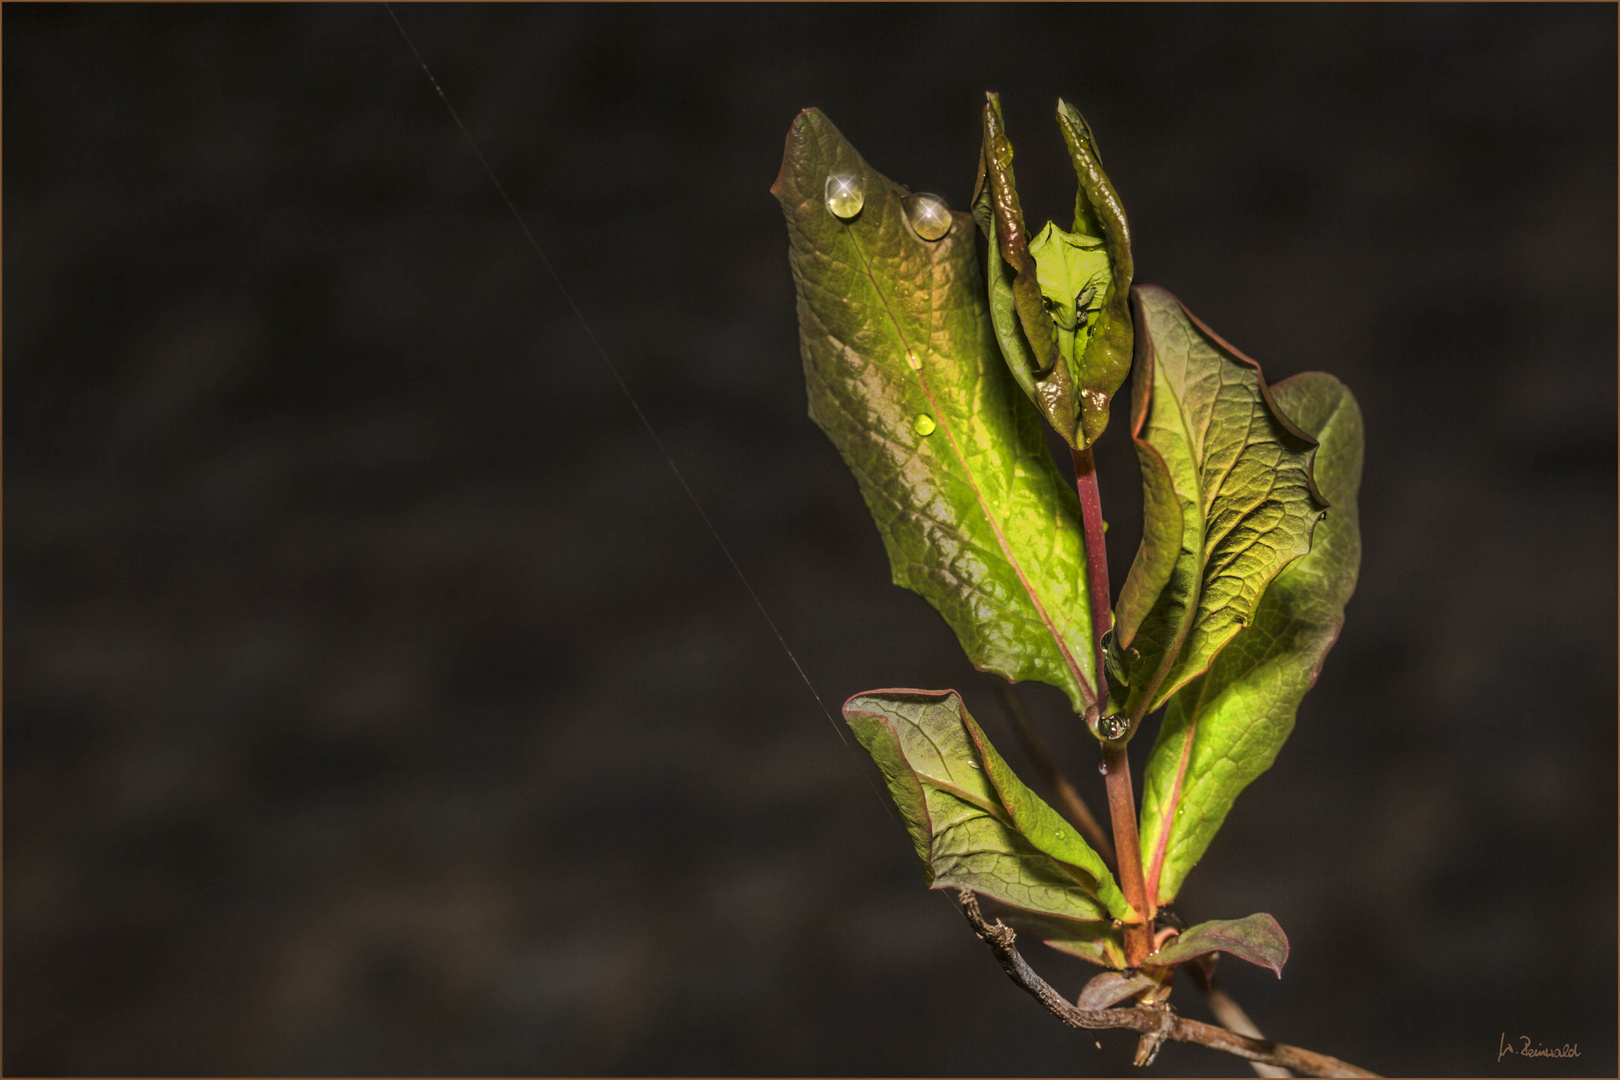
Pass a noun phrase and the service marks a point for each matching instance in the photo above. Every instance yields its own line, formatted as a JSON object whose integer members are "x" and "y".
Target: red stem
{"x": 1116, "y": 762}
{"x": 1128, "y": 849}
{"x": 1085, "y": 482}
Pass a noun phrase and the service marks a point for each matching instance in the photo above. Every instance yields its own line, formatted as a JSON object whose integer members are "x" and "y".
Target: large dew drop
{"x": 930, "y": 218}
{"x": 924, "y": 424}
{"x": 846, "y": 194}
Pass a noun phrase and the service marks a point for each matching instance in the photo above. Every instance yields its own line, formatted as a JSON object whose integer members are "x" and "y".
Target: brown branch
{"x": 1227, "y": 1011}
{"x": 1074, "y": 808}
{"x": 1156, "y": 1025}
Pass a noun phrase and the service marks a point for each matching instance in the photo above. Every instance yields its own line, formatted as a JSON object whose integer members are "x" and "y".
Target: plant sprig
{"x": 933, "y": 380}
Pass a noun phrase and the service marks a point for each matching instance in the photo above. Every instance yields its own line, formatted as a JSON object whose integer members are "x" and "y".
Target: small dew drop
{"x": 973, "y": 764}
{"x": 930, "y": 218}
{"x": 1102, "y": 767}
{"x": 1097, "y": 1043}
{"x": 924, "y": 424}
{"x": 913, "y": 359}
{"x": 846, "y": 194}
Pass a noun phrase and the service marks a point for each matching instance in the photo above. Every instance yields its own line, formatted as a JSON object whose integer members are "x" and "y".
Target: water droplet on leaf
{"x": 913, "y": 360}
{"x": 924, "y": 424}
{"x": 973, "y": 764}
{"x": 846, "y": 194}
{"x": 930, "y": 218}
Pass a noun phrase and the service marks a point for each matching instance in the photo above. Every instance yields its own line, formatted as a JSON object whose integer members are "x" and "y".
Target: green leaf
{"x": 1207, "y": 434}
{"x": 1058, "y": 301}
{"x": 1257, "y": 939}
{"x": 973, "y": 512}
{"x": 1075, "y": 273}
{"x": 1095, "y": 941}
{"x": 1044, "y": 827}
{"x": 1105, "y": 357}
{"x": 962, "y": 830}
{"x": 1224, "y": 729}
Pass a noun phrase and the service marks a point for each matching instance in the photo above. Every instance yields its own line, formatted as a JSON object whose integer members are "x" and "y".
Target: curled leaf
{"x": 1224, "y": 729}
{"x": 1058, "y": 300}
{"x": 1112, "y": 987}
{"x": 955, "y": 802}
{"x": 1228, "y": 500}
{"x": 1043, "y": 826}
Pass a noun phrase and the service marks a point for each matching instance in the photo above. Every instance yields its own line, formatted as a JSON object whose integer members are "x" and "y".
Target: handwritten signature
{"x": 1529, "y": 1049}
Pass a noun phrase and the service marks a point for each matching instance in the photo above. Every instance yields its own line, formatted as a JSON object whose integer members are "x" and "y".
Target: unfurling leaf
{"x": 974, "y": 824}
{"x": 1228, "y": 502}
{"x": 905, "y": 377}
{"x": 1224, "y": 728}
{"x": 1257, "y": 939}
{"x": 1058, "y": 301}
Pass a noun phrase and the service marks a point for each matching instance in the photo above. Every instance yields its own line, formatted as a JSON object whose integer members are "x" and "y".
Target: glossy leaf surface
{"x": 1209, "y": 437}
{"x": 974, "y": 514}
{"x": 927, "y": 748}
{"x": 1257, "y": 939}
{"x": 1225, "y": 728}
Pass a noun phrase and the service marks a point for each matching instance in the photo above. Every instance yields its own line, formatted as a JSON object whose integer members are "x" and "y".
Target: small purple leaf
{"x": 1257, "y": 939}
{"x": 1111, "y": 987}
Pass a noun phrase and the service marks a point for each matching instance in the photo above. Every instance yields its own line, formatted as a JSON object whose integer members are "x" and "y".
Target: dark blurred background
{"x": 376, "y": 702}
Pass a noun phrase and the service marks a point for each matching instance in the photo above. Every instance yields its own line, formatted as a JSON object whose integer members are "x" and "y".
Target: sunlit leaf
{"x": 1044, "y": 827}
{"x": 1238, "y": 469}
{"x": 927, "y": 748}
{"x": 1224, "y": 729}
{"x": 905, "y": 377}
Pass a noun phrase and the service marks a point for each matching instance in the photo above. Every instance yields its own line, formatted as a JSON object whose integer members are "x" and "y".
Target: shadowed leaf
{"x": 924, "y": 744}
{"x": 1257, "y": 939}
{"x": 1225, "y": 728}
{"x": 1096, "y": 941}
{"x": 972, "y": 510}
{"x": 1112, "y": 987}
{"x": 1240, "y": 472}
